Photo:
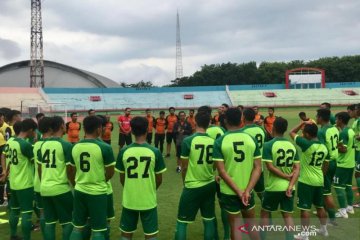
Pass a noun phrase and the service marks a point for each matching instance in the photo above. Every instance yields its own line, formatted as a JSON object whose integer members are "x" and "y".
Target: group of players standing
{"x": 328, "y": 157}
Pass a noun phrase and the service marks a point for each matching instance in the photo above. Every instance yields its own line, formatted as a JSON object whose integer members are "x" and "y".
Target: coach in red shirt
{"x": 125, "y": 128}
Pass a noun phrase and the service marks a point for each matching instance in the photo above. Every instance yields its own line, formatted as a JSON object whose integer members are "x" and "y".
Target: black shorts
{"x": 149, "y": 137}
{"x": 170, "y": 137}
{"x": 124, "y": 139}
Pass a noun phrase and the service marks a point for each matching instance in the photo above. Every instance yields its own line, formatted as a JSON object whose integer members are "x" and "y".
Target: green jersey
{"x": 346, "y": 160}
{"x": 90, "y": 157}
{"x": 258, "y": 133}
{"x": 198, "y": 150}
{"x": 55, "y": 154}
{"x": 332, "y": 119}
{"x": 19, "y": 155}
{"x": 329, "y": 135}
{"x": 237, "y": 150}
{"x": 140, "y": 163}
{"x": 282, "y": 154}
{"x": 36, "y": 151}
{"x": 314, "y": 153}
{"x": 356, "y": 128}
{"x": 215, "y": 131}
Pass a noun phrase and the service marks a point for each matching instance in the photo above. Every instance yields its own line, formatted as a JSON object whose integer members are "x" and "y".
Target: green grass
{"x": 169, "y": 195}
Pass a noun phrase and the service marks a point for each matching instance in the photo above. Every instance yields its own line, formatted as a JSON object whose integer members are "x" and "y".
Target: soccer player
{"x": 151, "y": 121}
{"x": 181, "y": 130}
{"x": 55, "y": 172}
{"x": 238, "y": 161}
{"x": 108, "y": 128}
{"x": 199, "y": 180}
{"x": 125, "y": 128}
{"x": 191, "y": 119}
{"x": 259, "y": 119}
{"x": 73, "y": 128}
{"x": 141, "y": 167}
{"x": 160, "y": 125}
{"x": 282, "y": 162}
{"x": 259, "y": 134}
{"x": 304, "y": 118}
{"x": 328, "y": 135}
{"x": 171, "y": 119}
{"x": 94, "y": 163}
{"x": 269, "y": 122}
{"x": 345, "y": 166}
{"x": 13, "y": 117}
{"x": 19, "y": 154}
{"x": 326, "y": 105}
{"x": 91, "y": 112}
{"x": 354, "y": 111}
{"x": 2, "y": 171}
{"x": 223, "y": 108}
{"x": 311, "y": 180}
{"x": 44, "y": 125}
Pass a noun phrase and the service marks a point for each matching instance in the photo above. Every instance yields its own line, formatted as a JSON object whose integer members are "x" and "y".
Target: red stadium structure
{"x": 303, "y": 76}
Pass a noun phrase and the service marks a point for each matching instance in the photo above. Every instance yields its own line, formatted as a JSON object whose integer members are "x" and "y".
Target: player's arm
{"x": 294, "y": 178}
{"x": 109, "y": 172}
{"x": 295, "y": 130}
{"x": 122, "y": 178}
{"x": 71, "y": 172}
{"x": 158, "y": 179}
{"x": 255, "y": 175}
{"x": 3, "y": 167}
{"x": 184, "y": 167}
{"x": 220, "y": 166}
{"x": 325, "y": 166}
{"x": 270, "y": 166}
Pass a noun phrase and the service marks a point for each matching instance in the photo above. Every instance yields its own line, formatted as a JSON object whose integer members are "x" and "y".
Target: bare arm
{"x": 39, "y": 170}
{"x": 109, "y": 172}
{"x": 70, "y": 170}
{"x": 294, "y": 178}
{"x": 295, "y": 130}
{"x": 122, "y": 178}
{"x": 184, "y": 167}
{"x": 325, "y": 167}
{"x": 223, "y": 174}
{"x": 3, "y": 167}
{"x": 158, "y": 180}
{"x": 277, "y": 171}
{"x": 255, "y": 175}
{"x": 342, "y": 148}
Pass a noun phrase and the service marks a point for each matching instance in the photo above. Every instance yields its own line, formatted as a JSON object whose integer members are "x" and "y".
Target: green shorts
{"x": 58, "y": 208}
{"x": 39, "y": 201}
{"x": 90, "y": 206}
{"x": 22, "y": 199}
{"x": 309, "y": 195}
{"x": 329, "y": 177}
{"x": 149, "y": 220}
{"x": 272, "y": 200}
{"x": 110, "y": 207}
{"x": 357, "y": 161}
{"x": 193, "y": 199}
{"x": 260, "y": 185}
{"x": 233, "y": 204}
{"x": 343, "y": 177}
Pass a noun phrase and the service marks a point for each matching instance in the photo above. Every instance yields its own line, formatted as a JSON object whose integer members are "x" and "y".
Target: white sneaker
{"x": 350, "y": 210}
{"x": 299, "y": 237}
{"x": 341, "y": 214}
{"x": 322, "y": 232}
{"x": 4, "y": 204}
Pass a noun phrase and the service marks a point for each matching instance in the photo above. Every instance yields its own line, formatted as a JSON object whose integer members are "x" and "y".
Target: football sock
{"x": 226, "y": 224}
{"x": 76, "y": 234}
{"x": 13, "y": 221}
{"x": 98, "y": 236}
{"x": 42, "y": 224}
{"x": 358, "y": 183}
{"x": 349, "y": 195}
{"x": 86, "y": 232}
{"x": 180, "y": 232}
{"x": 107, "y": 233}
{"x": 66, "y": 231}
{"x": 50, "y": 231}
{"x": 340, "y": 193}
{"x": 26, "y": 225}
{"x": 209, "y": 229}
{"x": 331, "y": 213}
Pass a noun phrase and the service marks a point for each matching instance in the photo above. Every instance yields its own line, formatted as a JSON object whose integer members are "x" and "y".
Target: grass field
{"x": 169, "y": 194}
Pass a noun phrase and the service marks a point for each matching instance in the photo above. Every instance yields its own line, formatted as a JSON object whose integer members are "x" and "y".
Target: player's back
{"x": 282, "y": 154}
{"x": 140, "y": 163}
{"x": 215, "y": 131}
{"x": 19, "y": 155}
{"x": 238, "y": 150}
{"x": 314, "y": 153}
{"x": 36, "y": 151}
{"x": 256, "y": 132}
{"x": 346, "y": 160}
{"x": 198, "y": 149}
{"x": 55, "y": 154}
{"x": 329, "y": 135}
{"x": 90, "y": 157}
{"x": 356, "y": 127}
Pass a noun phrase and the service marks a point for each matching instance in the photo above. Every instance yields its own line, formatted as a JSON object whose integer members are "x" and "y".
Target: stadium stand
{"x": 17, "y": 98}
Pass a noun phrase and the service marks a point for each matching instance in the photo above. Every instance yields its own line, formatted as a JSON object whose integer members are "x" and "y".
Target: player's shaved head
{"x": 280, "y": 125}
{"x": 249, "y": 114}
{"x": 91, "y": 124}
{"x": 311, "y": 130}
{"x": 344, "y": 117}
{"x": 139, "y": 126}
{"x": 233, "y": 117}
{"x": 202, "y": 119}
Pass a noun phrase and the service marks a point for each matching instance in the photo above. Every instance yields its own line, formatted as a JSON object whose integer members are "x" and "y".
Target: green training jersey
{"x": 54, "y": 155}
{"x": 356, "y": 128}
{"x": 259, "y": 134}
{"x": 237, "y": 150}
{"x": 109, "y": 188}
{"x": 329, "y": 135}
{"x": 332, "y": 119}
{"x": 346, "y": 160}
{"x": 90, "y": 157}
{"x": 140, "y": 163}
{"x": 314, "y": 153}
{"x": 282, "y": 154}
{"x": 36, "y": 151}
{"x": 215, "y": 132}
{"x": 19, "y": 155}
{"x": 197, "y": 149}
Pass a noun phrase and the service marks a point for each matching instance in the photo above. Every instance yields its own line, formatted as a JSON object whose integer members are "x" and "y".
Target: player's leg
{"x": 128, "y": 139}
{"x": 64, "y": 209}
{"x": 80, "y": 215}
{"x": 207, "y": 209}
{"x": 340, "y": 186}
{"x": 248, "y": 215}
{"x": 349, "y": 191}
{"x": 26, "y": 198}
{"x": 224, "y": 214}
{"x": 169, "y": 138}
{"x": 40, "y": 206}
{"x": 162, "y": 140}
{"x": 178, "y": 159}
{"x": 110, "y": 214}
{"x": 149, "y": 137}
{"x": 97, "y": 205}
{"x": 121, "y": 140}
{"x": 357, "y": 174}
{"x": 149, "y": 220}
{"x": 287, "y": 209}
{"x": 259, "y": 187}
{"x": 128, "y": 223}
{"x": 156, "y": 140}
{"x": 305, "y": 199}
{"x": 14, "y": 214}
{"x": 270, "y": 203}
{"x": 328, "y": 198}
{"x": 321, "y": 213}
{"x": 188, "y": 206}
{"x": 50, "y": 216}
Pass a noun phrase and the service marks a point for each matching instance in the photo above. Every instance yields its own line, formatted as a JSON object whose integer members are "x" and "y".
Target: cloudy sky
{"x": 129, "y": 41}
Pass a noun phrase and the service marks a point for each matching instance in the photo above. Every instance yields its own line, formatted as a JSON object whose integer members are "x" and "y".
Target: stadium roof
{"x": 57, "y": 75}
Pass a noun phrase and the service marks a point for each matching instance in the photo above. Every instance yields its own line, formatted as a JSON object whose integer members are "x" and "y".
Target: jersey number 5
{"x": 238, "y": 151}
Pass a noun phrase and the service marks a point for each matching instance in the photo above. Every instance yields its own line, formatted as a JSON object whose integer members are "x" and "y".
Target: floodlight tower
{"x": 36, "y": 52}
{"x": 179, "y": 67}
